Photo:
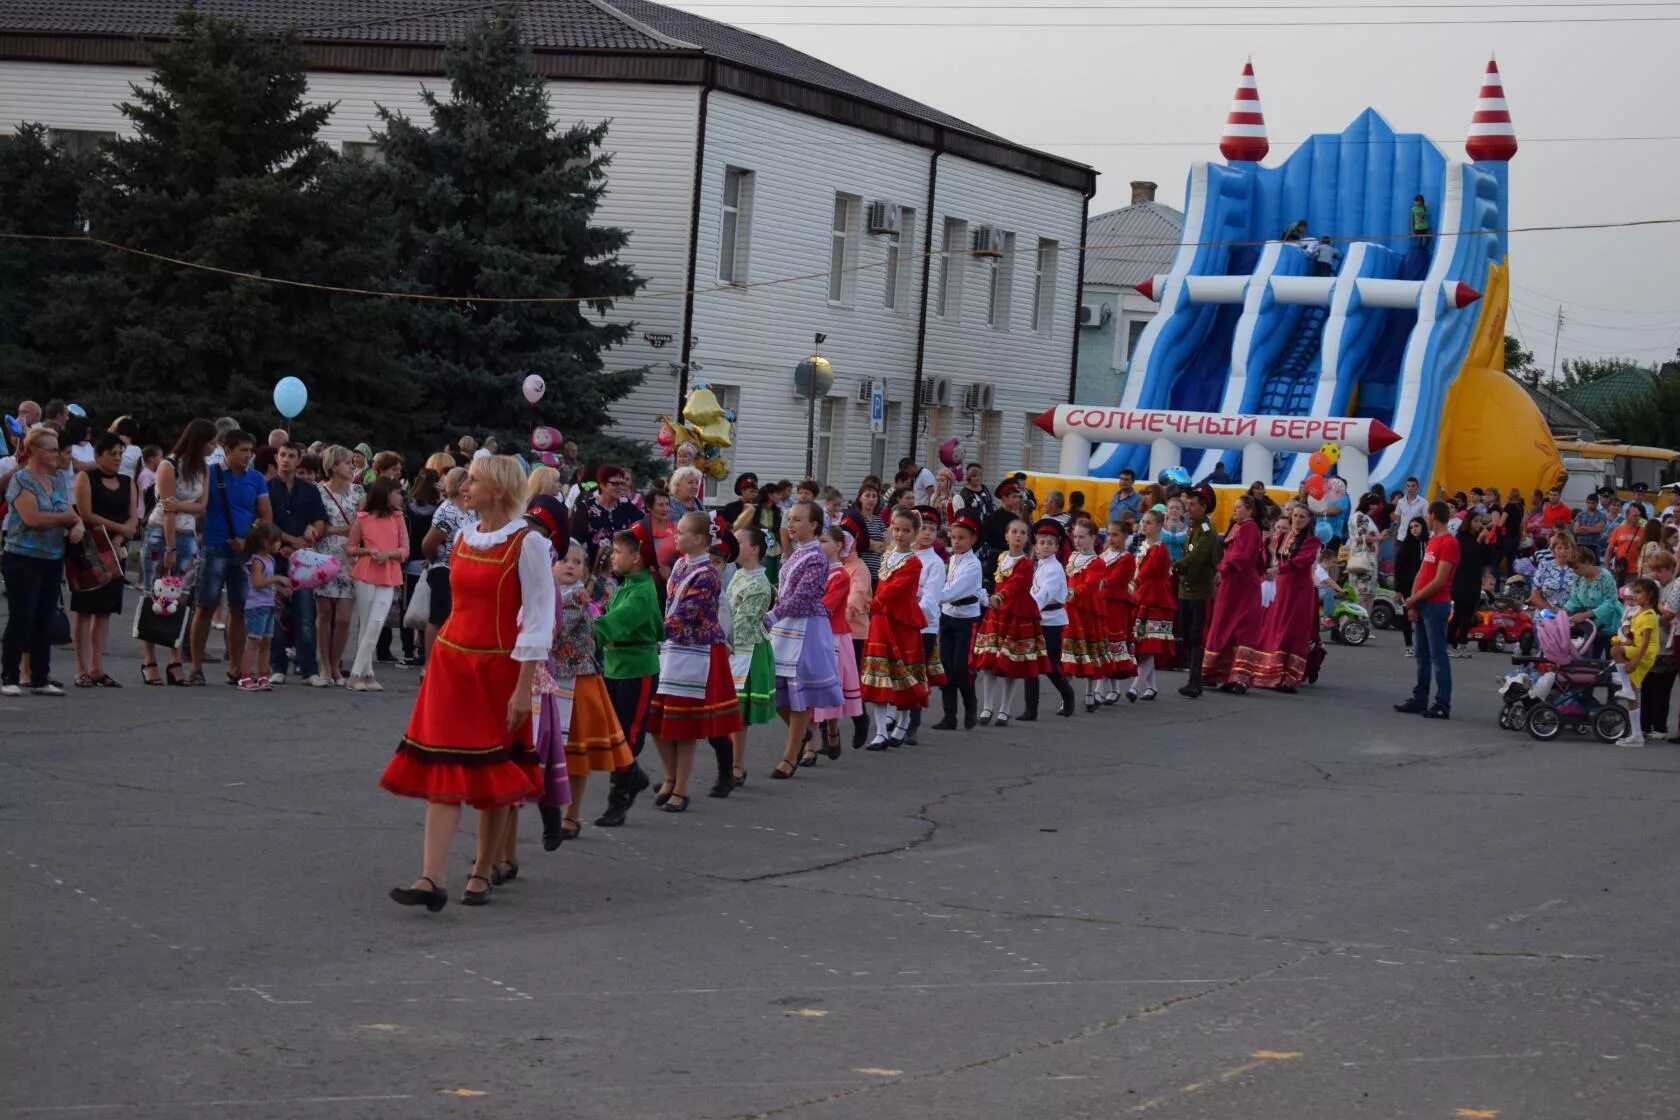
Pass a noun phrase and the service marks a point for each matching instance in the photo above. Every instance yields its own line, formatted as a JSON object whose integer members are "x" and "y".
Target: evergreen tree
{"x": 40, "y": 195}
{"x": 226, "y": 171}
{"x": 496, "y": 201}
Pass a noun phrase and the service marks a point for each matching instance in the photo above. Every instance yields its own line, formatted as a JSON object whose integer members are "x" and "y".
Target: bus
{"x": 1621, "y": 465}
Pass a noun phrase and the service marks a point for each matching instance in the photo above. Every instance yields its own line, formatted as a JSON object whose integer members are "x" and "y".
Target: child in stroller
{"x": 1567, "y": 697}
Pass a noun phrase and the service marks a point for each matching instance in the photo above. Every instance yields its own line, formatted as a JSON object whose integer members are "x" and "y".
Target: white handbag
{"x": 419, "y": 612}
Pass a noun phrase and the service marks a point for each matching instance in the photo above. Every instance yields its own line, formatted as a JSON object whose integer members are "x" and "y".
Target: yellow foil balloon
{"x": 1332, "y": 452}
{"x": 705, "y": 417}
{"x": 717, "y": 468}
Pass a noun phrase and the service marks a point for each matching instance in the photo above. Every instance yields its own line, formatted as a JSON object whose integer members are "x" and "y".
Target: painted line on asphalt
{"x": 102, "y": 907}
{"x": 1260, "y": 1059}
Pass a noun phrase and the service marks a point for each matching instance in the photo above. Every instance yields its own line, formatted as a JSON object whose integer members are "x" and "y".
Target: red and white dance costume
{"x": 458, "y": 748}
{"x": 696, "y": 698}
{"x": 927, "y": 593}
{"x": 1118, "y": 566}
{"x": 1154, "y": 609}
{"x": 1009, "y": 646}
{"x": 894, "y": 675}
{"x": 835, "y": 598}
{"x": 1085, "y": 653}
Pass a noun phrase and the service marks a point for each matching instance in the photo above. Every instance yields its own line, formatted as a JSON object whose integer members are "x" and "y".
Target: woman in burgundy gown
{"x": 1234, "y": 624}
{"x": 1291, "y": 623}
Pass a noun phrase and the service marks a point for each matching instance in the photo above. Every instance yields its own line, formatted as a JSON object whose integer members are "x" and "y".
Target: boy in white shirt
{"x": 1049, "y": 591}
{"x": 959, "y": 613}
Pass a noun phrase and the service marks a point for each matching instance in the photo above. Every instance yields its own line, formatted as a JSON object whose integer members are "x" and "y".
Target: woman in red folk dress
{"x": 1155, "y": 605}
{"x": 1085, "y": 643}
{"x": 1234, "y": 623}
{"x": 469, "y": 738}
{"x": 1009, "y": 646}
{"x": 1291, "y": 625}
{"x": 894, "y": 674}
{"x": 1118, "y": 566}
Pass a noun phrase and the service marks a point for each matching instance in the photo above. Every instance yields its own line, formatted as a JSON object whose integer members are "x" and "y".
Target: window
{"x": 1134, "y": 331}
{"x": 889, "y": 297}
{"x": 951, "y": 257}
{"x": 842, "y": 251}
{"x": 79, "y": 141}
{"x": 732, "y": 230}
{"x": 831, "y": 420}
{"x": 1044, "y": 286}
{"x": 364, "y": 150}
{"x": 1002, "y": 271}
{"x": 897, "y": 268}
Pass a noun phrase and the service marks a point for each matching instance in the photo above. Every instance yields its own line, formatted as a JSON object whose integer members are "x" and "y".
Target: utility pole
{"x": 1557, "y": 333}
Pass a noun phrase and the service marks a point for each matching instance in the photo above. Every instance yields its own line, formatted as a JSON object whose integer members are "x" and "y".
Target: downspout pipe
{"x": 927, "y": 278}
{"x": 694, "y": 237}
{"x": 1079, "y": 295}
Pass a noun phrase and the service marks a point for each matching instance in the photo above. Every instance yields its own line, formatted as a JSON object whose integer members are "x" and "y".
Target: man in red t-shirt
{"x": 1429, "y": 606}
{"x": 1555, "y": 514}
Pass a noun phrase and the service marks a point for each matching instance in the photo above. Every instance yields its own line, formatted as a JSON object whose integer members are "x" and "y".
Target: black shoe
{"x": 476, "y": 898}
{"x": 1091, "y": 706}
{"x": 723, "y": 787}
{"x": 877, "y": 745}
{"x": 969, "y": 721}
{"x": 909, "y": 740}
{"x": 619, "y": 798}
{"x": 898, "y": 741}
{"x": 433, "y": 900}
{"x": 1027, "y": 717}
{"x": 949, "y": 723}
{"x": 1436, "y": 711}
{"x": 1066, "y": 710}
{"x": 1411, "y": 708}
{"x": 1193, "y": 691}
{"x": 1286, "y": 689}
{"x": 552, "y": 835}
{"x": 781, "y": 775}
{"x": 678, "y": 803}
{"x": 860, "y": 732}
{"x": 1239, "y": 689}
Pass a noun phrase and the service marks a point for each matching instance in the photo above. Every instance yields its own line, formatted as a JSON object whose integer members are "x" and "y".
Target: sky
{"x": 1144, "y": 102}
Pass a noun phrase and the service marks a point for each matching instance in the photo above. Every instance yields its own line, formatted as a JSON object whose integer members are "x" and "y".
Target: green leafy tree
{"x": 1519, "y": 362}
{"x": 1650, "y": 420}
{"x": 40, "y": 196}
{"x": 496, "y": 201}
{"x": 225, "y": 173}
{"x": 1576, "y": 372}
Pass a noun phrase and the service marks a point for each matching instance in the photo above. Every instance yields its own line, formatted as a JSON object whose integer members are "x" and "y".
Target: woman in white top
{"x": 129, "y": 432}
{"x": 341, "y": 497}
{"x": 170, "y": 541}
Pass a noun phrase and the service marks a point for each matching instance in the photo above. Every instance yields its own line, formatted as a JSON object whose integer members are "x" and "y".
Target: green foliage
{"x": 40, "y": 195}
{"x": 1649, "y": 420}
{"x": 494, "y": 200}
{"x": 1584, "y": 371}
{"x": 1519, "y": 362}
{"x": 226, "y": 170}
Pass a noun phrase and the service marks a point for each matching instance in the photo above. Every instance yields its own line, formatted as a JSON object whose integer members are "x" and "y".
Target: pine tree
{"x": 496, "y": 201}
{"x": 226, "y": 170}
{"x": 40, "y": 196}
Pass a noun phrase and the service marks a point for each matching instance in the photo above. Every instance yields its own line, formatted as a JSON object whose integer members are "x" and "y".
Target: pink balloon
{"x": 533, "y": 388}
{"x": 950, "y": 453}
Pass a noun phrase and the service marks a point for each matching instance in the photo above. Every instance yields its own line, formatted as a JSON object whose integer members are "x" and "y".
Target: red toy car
{"x": 1504, "y": 625}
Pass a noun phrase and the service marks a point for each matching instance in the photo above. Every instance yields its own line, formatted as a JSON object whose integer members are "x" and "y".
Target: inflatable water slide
{"x": 1389, "y": 341}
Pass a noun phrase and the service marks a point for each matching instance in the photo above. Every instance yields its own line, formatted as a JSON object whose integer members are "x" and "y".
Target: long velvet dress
{"x": 1237, "y": 615}
{"x": 1291, "y": 624}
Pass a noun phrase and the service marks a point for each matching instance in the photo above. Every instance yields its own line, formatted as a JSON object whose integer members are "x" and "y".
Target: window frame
{"x": 735, "y": 236}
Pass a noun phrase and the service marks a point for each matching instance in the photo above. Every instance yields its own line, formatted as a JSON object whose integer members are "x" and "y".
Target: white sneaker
{"x": 1631, "y": 739}
{"x": 11, "y": 690}
{"x": 317, "y": 681}
{"x": 48, "y": 690}
{"x": 276, "y": 678}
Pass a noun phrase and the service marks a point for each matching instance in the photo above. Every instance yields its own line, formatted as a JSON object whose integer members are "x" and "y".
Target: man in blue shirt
{"x": 236, "y": 499}
{"x": 301, "y": 517}
{"x": 1590, "y": 525}
{"x": 1126, "y": 500}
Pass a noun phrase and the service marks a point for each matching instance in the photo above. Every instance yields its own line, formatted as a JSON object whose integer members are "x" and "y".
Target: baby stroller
{"x": 1567, "y": 697}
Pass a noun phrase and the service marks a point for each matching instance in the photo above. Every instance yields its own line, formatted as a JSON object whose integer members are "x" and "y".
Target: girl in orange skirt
{"x": 1156, "y": 607}
{"x": 894, "y": 675}
{"x": 696, "y": 697}
{"x": 1009, "y": 646}
{"x": 1118, "y": 565}
{"x": 468, "y": 741}
{"x": 1085, "y": 642}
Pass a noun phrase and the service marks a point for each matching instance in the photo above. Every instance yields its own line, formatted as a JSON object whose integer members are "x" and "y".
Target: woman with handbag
{"x": 106, "y": 501}
{"x": 171, "y": 543}
{"x": 39, "y": 524}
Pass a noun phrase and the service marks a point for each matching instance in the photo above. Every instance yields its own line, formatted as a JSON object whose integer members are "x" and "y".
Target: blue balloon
{"x": 1323, "y": 531}
{"x": 290, "y": 396}
{"x": 76, "y": 410}
{"x": 1174, "y": 476}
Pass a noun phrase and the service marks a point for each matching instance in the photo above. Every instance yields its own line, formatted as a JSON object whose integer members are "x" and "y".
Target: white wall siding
{"x": 650, "y": 181}
{"x": 752, "y": 337}
{"x": 1029, "y": 368}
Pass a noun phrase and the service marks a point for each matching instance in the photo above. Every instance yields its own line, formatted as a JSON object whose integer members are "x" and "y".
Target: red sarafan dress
{"x": 458, "y": 749}
{"x": 1010, "y": 641}
{"x": 1118, "y": 613}
{"x": 1155, "y": 607}
{"x": 1085, "y": 641}
{"x": 894, "y": 672}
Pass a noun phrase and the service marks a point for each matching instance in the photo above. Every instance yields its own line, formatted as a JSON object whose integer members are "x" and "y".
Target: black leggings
{"x": 1654, "y": 696}
{"x": 1463, "y": 618}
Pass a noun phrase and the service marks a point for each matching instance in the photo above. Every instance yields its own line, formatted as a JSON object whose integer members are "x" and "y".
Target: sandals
{"x": 196, "y": 680}
{"x": 153, "y": 681}
{"x": 172, "y": 675}
{"x": 233, "y": 679}
{"x": 783, "y": 775}
{"x": 84, "y": 681}
{"x": 809, "y": 758}
{"x": 570, "y": 828}
{"x": 831, "y": 745}
{"x": 104, "y": 680}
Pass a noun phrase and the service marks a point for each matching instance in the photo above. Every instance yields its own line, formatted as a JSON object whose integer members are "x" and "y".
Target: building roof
{"x": 1129, "y": 245}
{"x": 649, "y": 41}
{"x": 1561, "y": 416}
{"x": 1600, "y": 399}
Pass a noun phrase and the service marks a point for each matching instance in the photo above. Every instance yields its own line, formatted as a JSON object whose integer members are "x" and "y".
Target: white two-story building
{"x": 769, "y": 197}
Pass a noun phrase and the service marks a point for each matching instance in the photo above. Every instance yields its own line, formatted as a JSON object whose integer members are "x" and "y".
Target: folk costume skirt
{"x": 696, "y": 697}
{"x": 755, "y": 684}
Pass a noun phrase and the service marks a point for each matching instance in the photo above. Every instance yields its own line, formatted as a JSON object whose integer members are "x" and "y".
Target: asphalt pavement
{"x": 1292, "y": 907}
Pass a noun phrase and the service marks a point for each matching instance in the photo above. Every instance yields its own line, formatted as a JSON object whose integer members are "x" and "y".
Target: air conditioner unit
{"x": 988, "y": 241}
{"x": 866, "y": 390}
{"x": 1094, "y": 314}
{"x": 936, "y": 392}
{"x": 988, "y": 395}
{"x": 978, "y": 398}
{"x": 883, "y": 217}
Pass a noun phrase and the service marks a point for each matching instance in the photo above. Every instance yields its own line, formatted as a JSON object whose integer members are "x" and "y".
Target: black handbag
{"x": 160, "y": 629}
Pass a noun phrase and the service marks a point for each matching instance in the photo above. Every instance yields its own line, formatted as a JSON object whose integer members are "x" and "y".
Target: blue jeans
{"x": 1431, "y": 651}
{"x": 295, "y": 625}
{"x": 221, "y": 568}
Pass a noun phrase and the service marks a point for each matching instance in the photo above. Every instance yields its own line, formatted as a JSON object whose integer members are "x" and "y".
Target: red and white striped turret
{"x": 1492, "y": 136}
{"x": 1245, "y": 125}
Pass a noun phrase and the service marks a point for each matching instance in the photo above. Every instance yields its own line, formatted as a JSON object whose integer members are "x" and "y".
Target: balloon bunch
{"x": 698, "y": 439}
{"x": 1326, "y": 497}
